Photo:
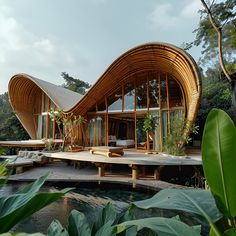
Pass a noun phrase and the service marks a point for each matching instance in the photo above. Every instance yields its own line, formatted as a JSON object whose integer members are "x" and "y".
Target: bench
{"x": 107, "y": 151}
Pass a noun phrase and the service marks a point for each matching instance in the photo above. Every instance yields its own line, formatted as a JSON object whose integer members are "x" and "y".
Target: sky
{"x": 83, "y": 37}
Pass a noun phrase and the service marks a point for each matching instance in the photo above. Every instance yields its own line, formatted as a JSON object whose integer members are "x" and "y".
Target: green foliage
{"x": 75, "y": 85}
{"x": 216, "y": 93}
{"x": 110, "y": 224}
{"x": 149, "y": 124}
{"x": 4, "y": 173}
{"x": 175, "y": 140}
{"x": 21, "y": 234}
{"x": 218, "y": 156}
{"x": 80, "y": 226}
{"x": 65, "y": 123}
{"x": 18, "y": 206}
{"x": 219, "y": 151}
{"x": 225, "y": 16}
{"x": 161, "y": 226}
{"x": 183, "y": 200}
{"x": 10, "y": 126}
{"x": 218, "y": 208}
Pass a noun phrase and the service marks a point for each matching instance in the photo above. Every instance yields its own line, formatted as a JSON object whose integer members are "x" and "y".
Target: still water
{"x": 88, "y": 199}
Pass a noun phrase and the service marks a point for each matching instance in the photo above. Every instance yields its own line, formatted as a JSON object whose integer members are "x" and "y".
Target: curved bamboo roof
{"x": 159, "y": 57}
{"x": 23, "y": 89}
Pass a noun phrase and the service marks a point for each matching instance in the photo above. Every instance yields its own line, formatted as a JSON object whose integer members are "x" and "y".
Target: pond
{"x": 87, "y": 198}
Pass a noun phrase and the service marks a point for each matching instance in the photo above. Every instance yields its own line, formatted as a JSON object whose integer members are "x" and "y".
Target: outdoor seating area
{"x": 24, "y": 159}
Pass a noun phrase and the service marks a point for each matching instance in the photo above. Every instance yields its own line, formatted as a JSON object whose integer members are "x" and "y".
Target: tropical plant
{"x": 4, "y": 173}
{"x": 109, "y": 223}
{"x": 66, "y": 123}
{"x": 20, "y": 205}
{"x": 149, "y": 125}
{"x": 178, "y": 135}
{"x": 217, "y": 206}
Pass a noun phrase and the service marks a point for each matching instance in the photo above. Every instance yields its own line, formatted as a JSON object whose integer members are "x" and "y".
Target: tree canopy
{"x": 75, "y": 85}
{"x": 10, "y": 126}
{"x": 224, "y": 19}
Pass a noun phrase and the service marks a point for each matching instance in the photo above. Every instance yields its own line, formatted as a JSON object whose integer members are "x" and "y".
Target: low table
{"x": 108, "y": 151}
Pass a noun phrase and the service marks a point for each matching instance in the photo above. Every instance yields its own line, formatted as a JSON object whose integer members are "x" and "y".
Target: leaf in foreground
{"x": 161, "y": 226}
{"x": 219, "y": 160}
{"x": 24, "y": 203}
{"x": 198, "y": 202}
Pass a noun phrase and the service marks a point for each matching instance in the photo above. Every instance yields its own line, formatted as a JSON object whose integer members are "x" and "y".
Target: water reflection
{"x": 89, "y": 201}
{"x": 85, "y": 200}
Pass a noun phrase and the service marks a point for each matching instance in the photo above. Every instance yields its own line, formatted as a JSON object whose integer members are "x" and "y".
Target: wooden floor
{"x": 129, "y": 157}
{"x": 134, "y": 160}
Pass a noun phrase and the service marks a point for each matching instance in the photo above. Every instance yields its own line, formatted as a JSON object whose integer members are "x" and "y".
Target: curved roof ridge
{"x": 160, "y": 45}
{"x": 63, "y": 98}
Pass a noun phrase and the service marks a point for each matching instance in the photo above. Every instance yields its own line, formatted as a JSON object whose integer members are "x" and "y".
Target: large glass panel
{"x": 164, "y": 125}
{"x": 129, "y": 97}
{"x": 175, "y": 94}
{"x": 140, "y": 133}
{"x": 153, "y": 93}
{"x": 50, "y": 128}
{"x": 141, "y": 94}
{"x": 115, "y": 101}
{"x": 96, "y": 135}
{"x": 39, "y": 128}
{"x": 176, "y": 120}
{"x": 44, "y": 126}
{"x": 155, "y": 140}
{"x": 163, "y": 91}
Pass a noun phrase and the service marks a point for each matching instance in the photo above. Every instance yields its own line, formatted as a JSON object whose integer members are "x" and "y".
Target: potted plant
{"x": 66, "y": 123}
{"x": 150, "y": 122}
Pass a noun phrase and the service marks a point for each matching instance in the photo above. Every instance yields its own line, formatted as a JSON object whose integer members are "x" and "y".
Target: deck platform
{"x": 17, "y": 163}
{"x": 133, "y": 159}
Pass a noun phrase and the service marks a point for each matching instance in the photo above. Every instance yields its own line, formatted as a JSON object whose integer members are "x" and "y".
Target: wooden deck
{"x": 133, "y": 159}
{"x": 17, "y": 164}
{"x": 27, "y": 143}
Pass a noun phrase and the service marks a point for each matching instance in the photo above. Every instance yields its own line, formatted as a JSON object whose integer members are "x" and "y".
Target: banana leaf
{"x": 219, "y": 160}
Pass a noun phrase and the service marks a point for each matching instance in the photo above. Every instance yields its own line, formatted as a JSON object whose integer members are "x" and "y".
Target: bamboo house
{"x": 155, "y": 80}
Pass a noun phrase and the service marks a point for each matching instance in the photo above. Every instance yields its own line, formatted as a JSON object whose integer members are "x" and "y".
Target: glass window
{"x": 164, "y": 125}
{"x": 129, "y": 97}
{"x": 163, "y": 91}
{"x": 115, "y": 101}
{"x": 175, "y": 94}
{"x": 154, "y": 93}
{"x": 96, "y": 131}
{"x": 154, "y": 135}
{"x": 46, "y": 108}
{"x": 39, "y": 128}
{"x": 141, "y": 94}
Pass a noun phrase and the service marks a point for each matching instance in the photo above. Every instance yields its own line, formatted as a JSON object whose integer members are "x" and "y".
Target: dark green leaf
{"x": 107, "y": 214}
{"x": 56, "y": 229}
{"x": 19, "y": 206}
{"x": 78, "y": 224}
{"x": 161, "y": 226}
{"x": 218, "y": 156}
{"x": 199, "y": 202}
